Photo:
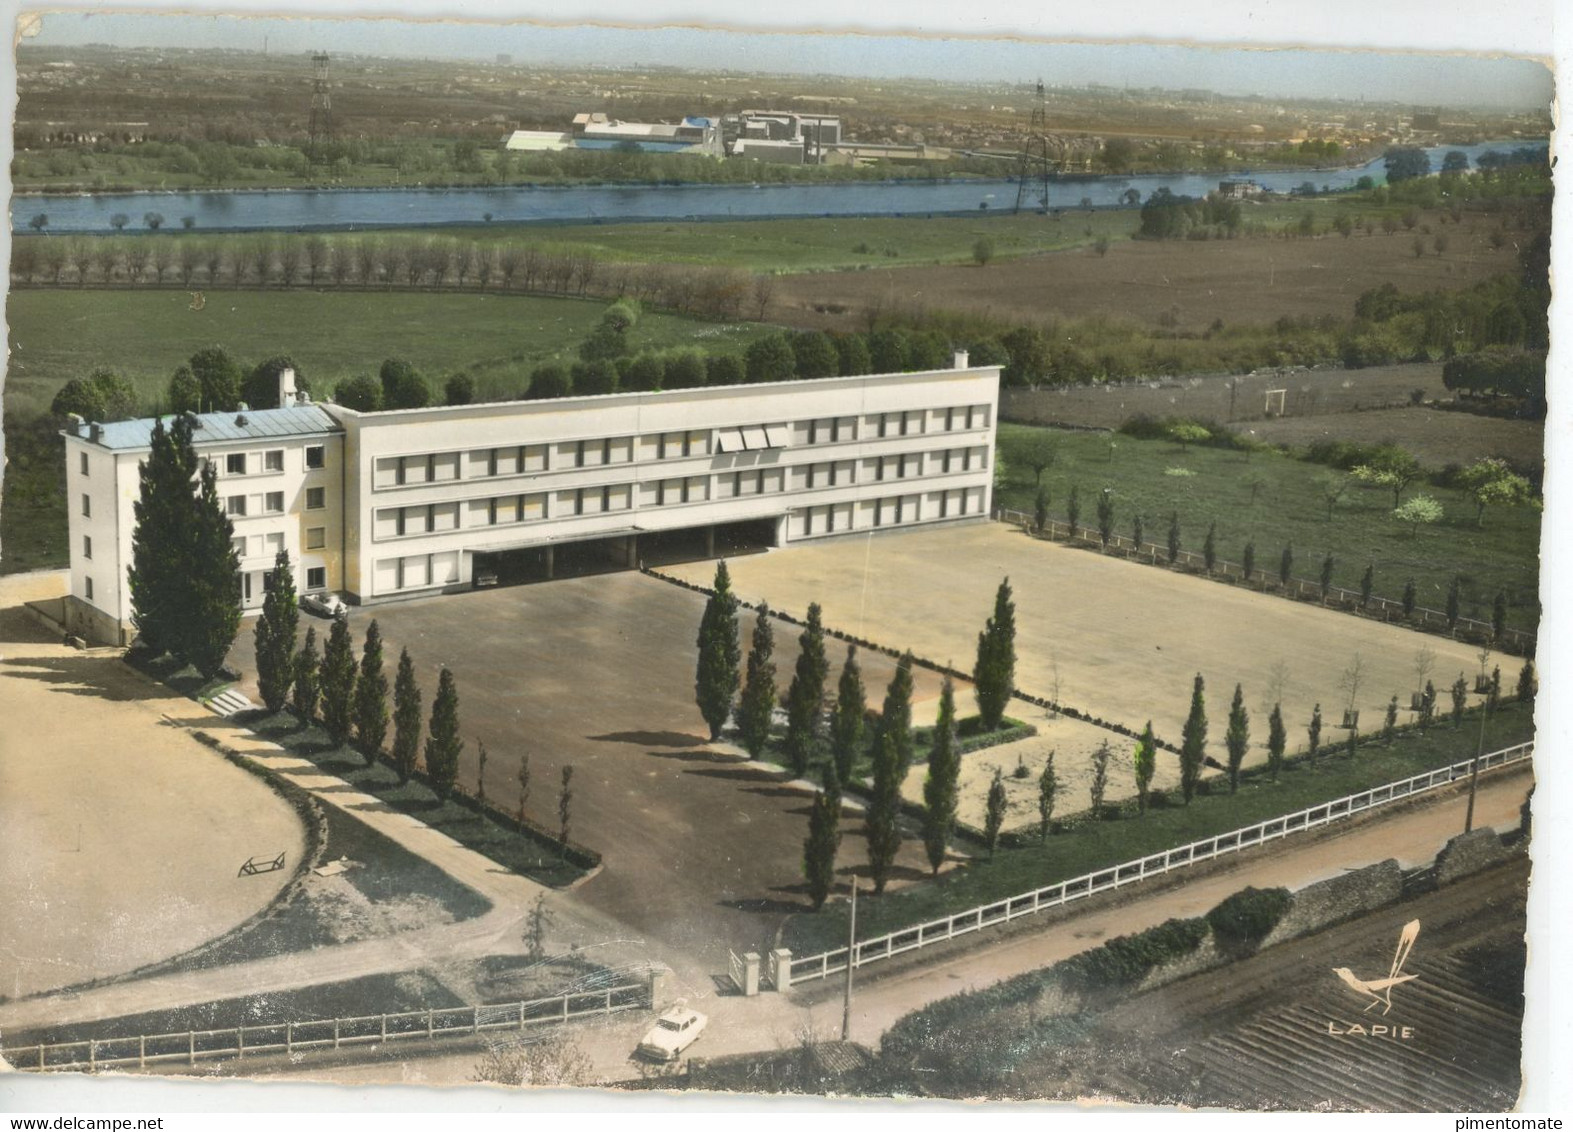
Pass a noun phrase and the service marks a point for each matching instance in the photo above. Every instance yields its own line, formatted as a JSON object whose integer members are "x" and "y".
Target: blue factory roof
{"x": 220, "y": 428}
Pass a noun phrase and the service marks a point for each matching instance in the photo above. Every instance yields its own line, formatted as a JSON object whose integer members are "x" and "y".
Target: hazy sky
{"x": 1449, "y": 80}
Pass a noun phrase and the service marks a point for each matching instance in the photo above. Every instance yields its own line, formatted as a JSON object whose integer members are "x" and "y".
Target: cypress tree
{"x": 1073, "y": 510}
{"x": 160, "y": 540}
{"x": 1048, "y": 789}
{"x": 1277, "y": 740}
{"x": 1409, "y": 598}
{"x": 942, "y": 781}
{"x": 994, "y": 812}
{"x": 1460, "y": 693}
{"x": 1193, "y": 744}
{"x": 1248, "y": 560}
{"x": 307, "y": 690}
{"x": 1427, "y": 706}
{"x": 1367, "y": 583}
{"x": 1327, "y": 576}
{"x": 523, "y": 779}
{"x": 1238, "y": 738}
{"x": 846, "y": 723}
{"x": 1040, "y": 510}
{"x": 406, "y": 717}
{"x": 338, "y": 682}
{"x": 1526, "y": 683}
{"x": 565, "y": 807}
{"x": 210, "y": 611}
{"x": 1498, "y": 615}
{"x": 1286, "y": 566}
{"x": 1316, "y": 732}
{"x": 715, "y": 681}
{"x": 883, "y": 834}
{"x": 1210, "y": 546}
{"x": 1145, "y": 763}
{"x": 1390, "y": 722}
{"x": 895, "y": 717}
{"x": 371, "y": 697}
{"x": 805, "y": 697}
{"x": 275, "y": 636}
{"x": 819, "y": 850}
{"x": 443, "y": 745}
{"x": 759, "y": 688}
{"x": 1453, "y": 594}
{"x": 994, "y": 675}
{"x": 1100, "y": 778}
{"x": 1174, "y": 537}
{"x": 1138, "y": 536}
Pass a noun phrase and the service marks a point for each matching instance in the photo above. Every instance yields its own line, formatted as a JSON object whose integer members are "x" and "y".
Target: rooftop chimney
{"x": 95, "y": 432}
{"x": 287, "y": 394}
{"x": 75, "y": 423}
{"x": 961, "y": 359}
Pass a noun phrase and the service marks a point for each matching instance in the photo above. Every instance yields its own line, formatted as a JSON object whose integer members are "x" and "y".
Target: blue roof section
{"x": 220, "y": 428}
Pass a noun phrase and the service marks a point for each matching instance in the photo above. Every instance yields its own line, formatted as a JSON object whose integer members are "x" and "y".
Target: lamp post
{"x": 852, "y": 935}
{"x": 1474, "y": 770}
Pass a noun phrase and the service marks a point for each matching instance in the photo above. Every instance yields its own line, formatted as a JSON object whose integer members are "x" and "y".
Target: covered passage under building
{"x": 621, "y": 550}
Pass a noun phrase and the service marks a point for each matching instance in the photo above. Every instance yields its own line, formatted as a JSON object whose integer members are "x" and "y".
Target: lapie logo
{"x": 1380, "y": 990}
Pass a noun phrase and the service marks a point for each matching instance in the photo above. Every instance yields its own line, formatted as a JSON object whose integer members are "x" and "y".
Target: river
{"x": 347, "y": 209}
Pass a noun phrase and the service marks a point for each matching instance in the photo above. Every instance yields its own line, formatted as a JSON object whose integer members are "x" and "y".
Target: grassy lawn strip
{"x": 511, "y": 849}
{"x": 1090, "y": 846}
{"x": 1274, "y": 499}
{"x": 497, "y": 339}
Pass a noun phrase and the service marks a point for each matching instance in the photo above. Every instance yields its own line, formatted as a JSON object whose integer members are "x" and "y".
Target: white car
{"x": 672, "y": 1033}
{"x": 326, "y": 605}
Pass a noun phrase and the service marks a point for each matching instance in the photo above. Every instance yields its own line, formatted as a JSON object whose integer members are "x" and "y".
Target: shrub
{"x": 1243, "y": 920}
{"x": 1125, "y": 960}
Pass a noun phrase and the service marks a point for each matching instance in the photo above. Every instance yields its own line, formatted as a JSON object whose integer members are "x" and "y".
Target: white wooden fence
{"x": 191, "y": 1046}
{"x": 799, "y": 970}
{"x": 1516, "y": 639}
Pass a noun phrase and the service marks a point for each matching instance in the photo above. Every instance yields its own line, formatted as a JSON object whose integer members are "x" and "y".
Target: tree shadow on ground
{"x": 651, "y": 738}
{"x": 102, "y": 677}
{"x": 736, "y": 774}
{"x": 691, "y": 756}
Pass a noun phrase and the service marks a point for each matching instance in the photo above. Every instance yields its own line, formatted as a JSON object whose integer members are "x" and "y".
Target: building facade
{"x": 397, "y": 504}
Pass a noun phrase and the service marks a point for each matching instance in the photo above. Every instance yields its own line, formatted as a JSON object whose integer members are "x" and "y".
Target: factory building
{"x": 405, "y": 503}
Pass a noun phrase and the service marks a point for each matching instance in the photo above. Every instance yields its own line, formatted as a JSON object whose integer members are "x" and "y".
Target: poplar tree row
{"x": 352, "y": 696}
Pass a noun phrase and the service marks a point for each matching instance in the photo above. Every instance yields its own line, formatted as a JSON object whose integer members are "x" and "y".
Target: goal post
{"x": 1267, "y": 408}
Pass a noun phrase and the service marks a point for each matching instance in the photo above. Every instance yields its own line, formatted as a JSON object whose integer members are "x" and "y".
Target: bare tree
{"x": 1424, "y": 663}
{"x": 549, "y": 1059}
{"x": 1350, "y": 681}
{"x": 290, "y": 256}
{"x": 314, "y": 254}
{"x": 1277, "y": 684}
{"x": 764, "y": 292}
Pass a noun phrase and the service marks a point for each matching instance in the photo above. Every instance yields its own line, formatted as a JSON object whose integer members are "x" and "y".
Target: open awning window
{"x": 776, "y": 435}
{"x": 754, "y": 439}
{"x": 730, "y": 440}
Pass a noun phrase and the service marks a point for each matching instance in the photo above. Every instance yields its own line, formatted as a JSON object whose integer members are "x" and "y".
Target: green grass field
{"x": 1286, "y": 506}
{"x": 58, "y": 335}
{"x": 823, "y": 244}
{"x": 1089, "y": 846}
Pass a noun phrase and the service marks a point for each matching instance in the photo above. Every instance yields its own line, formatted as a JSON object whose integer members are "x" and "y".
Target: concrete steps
{"x": 229, "y": 701}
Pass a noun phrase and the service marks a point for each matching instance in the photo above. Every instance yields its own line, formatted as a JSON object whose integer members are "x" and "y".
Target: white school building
{"x": 387, "y": 505}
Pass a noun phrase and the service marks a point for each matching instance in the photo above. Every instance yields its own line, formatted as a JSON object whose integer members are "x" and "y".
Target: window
{"x": 273, "y": 460}
{"x": 235, "y": 464}
{"x": 235, "y": 505}
{"x": 239, "y": 543}
{"x": 316, "y": 577}
{"x": 89, "y": 582}
{"x": 316, "y": 498}
{"x": 84, "y": 463}
{"x": 87, "y": 506}
{"x": 273, "y": 503}
{"x": 316, "y": 538}
{"x": 274, "y": 542}
{"x": 316, "y": 456}
{"x": 87, "y": 546}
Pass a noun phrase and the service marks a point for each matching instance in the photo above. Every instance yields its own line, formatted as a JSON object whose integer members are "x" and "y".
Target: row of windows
{"x": 244, "y": 463}
{"x": 832, "y": 517}
{"x": 510, "y": 460}
{"x": 271, "y": 503}
{"x": 256, "y": 546}
{"x": 415, "y": 571}
{"x": 250, "y": 592}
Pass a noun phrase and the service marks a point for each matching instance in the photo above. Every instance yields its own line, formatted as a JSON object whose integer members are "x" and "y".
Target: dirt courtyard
{"x": 121, "y": 837}
{"x": 1114, "y": 639}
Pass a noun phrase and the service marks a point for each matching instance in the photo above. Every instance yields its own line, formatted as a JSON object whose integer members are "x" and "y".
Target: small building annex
{"x": 403, "y": 503}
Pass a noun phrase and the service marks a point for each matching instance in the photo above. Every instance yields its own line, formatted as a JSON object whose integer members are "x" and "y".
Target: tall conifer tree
{"x": 406, "y": 717}
{"x": 371, "y": 697}
{"x": 715, "y": 681}
{"x": 1238, "y": 737}
{"x": 940, "y": 787}
{"x": 275, "y": 635}
{"x": 307, "y": 689}
{"x": 759, "y": 689}
{"x": 338, "y": 682}
{"x": 806, "y": 696}
{"x": 1193, "y": 743}
{"x": 443, "y": 745}
{"x": 210, "y": 610}
{"x": 994, "y": 675}
{"x": 846, "y": 723}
